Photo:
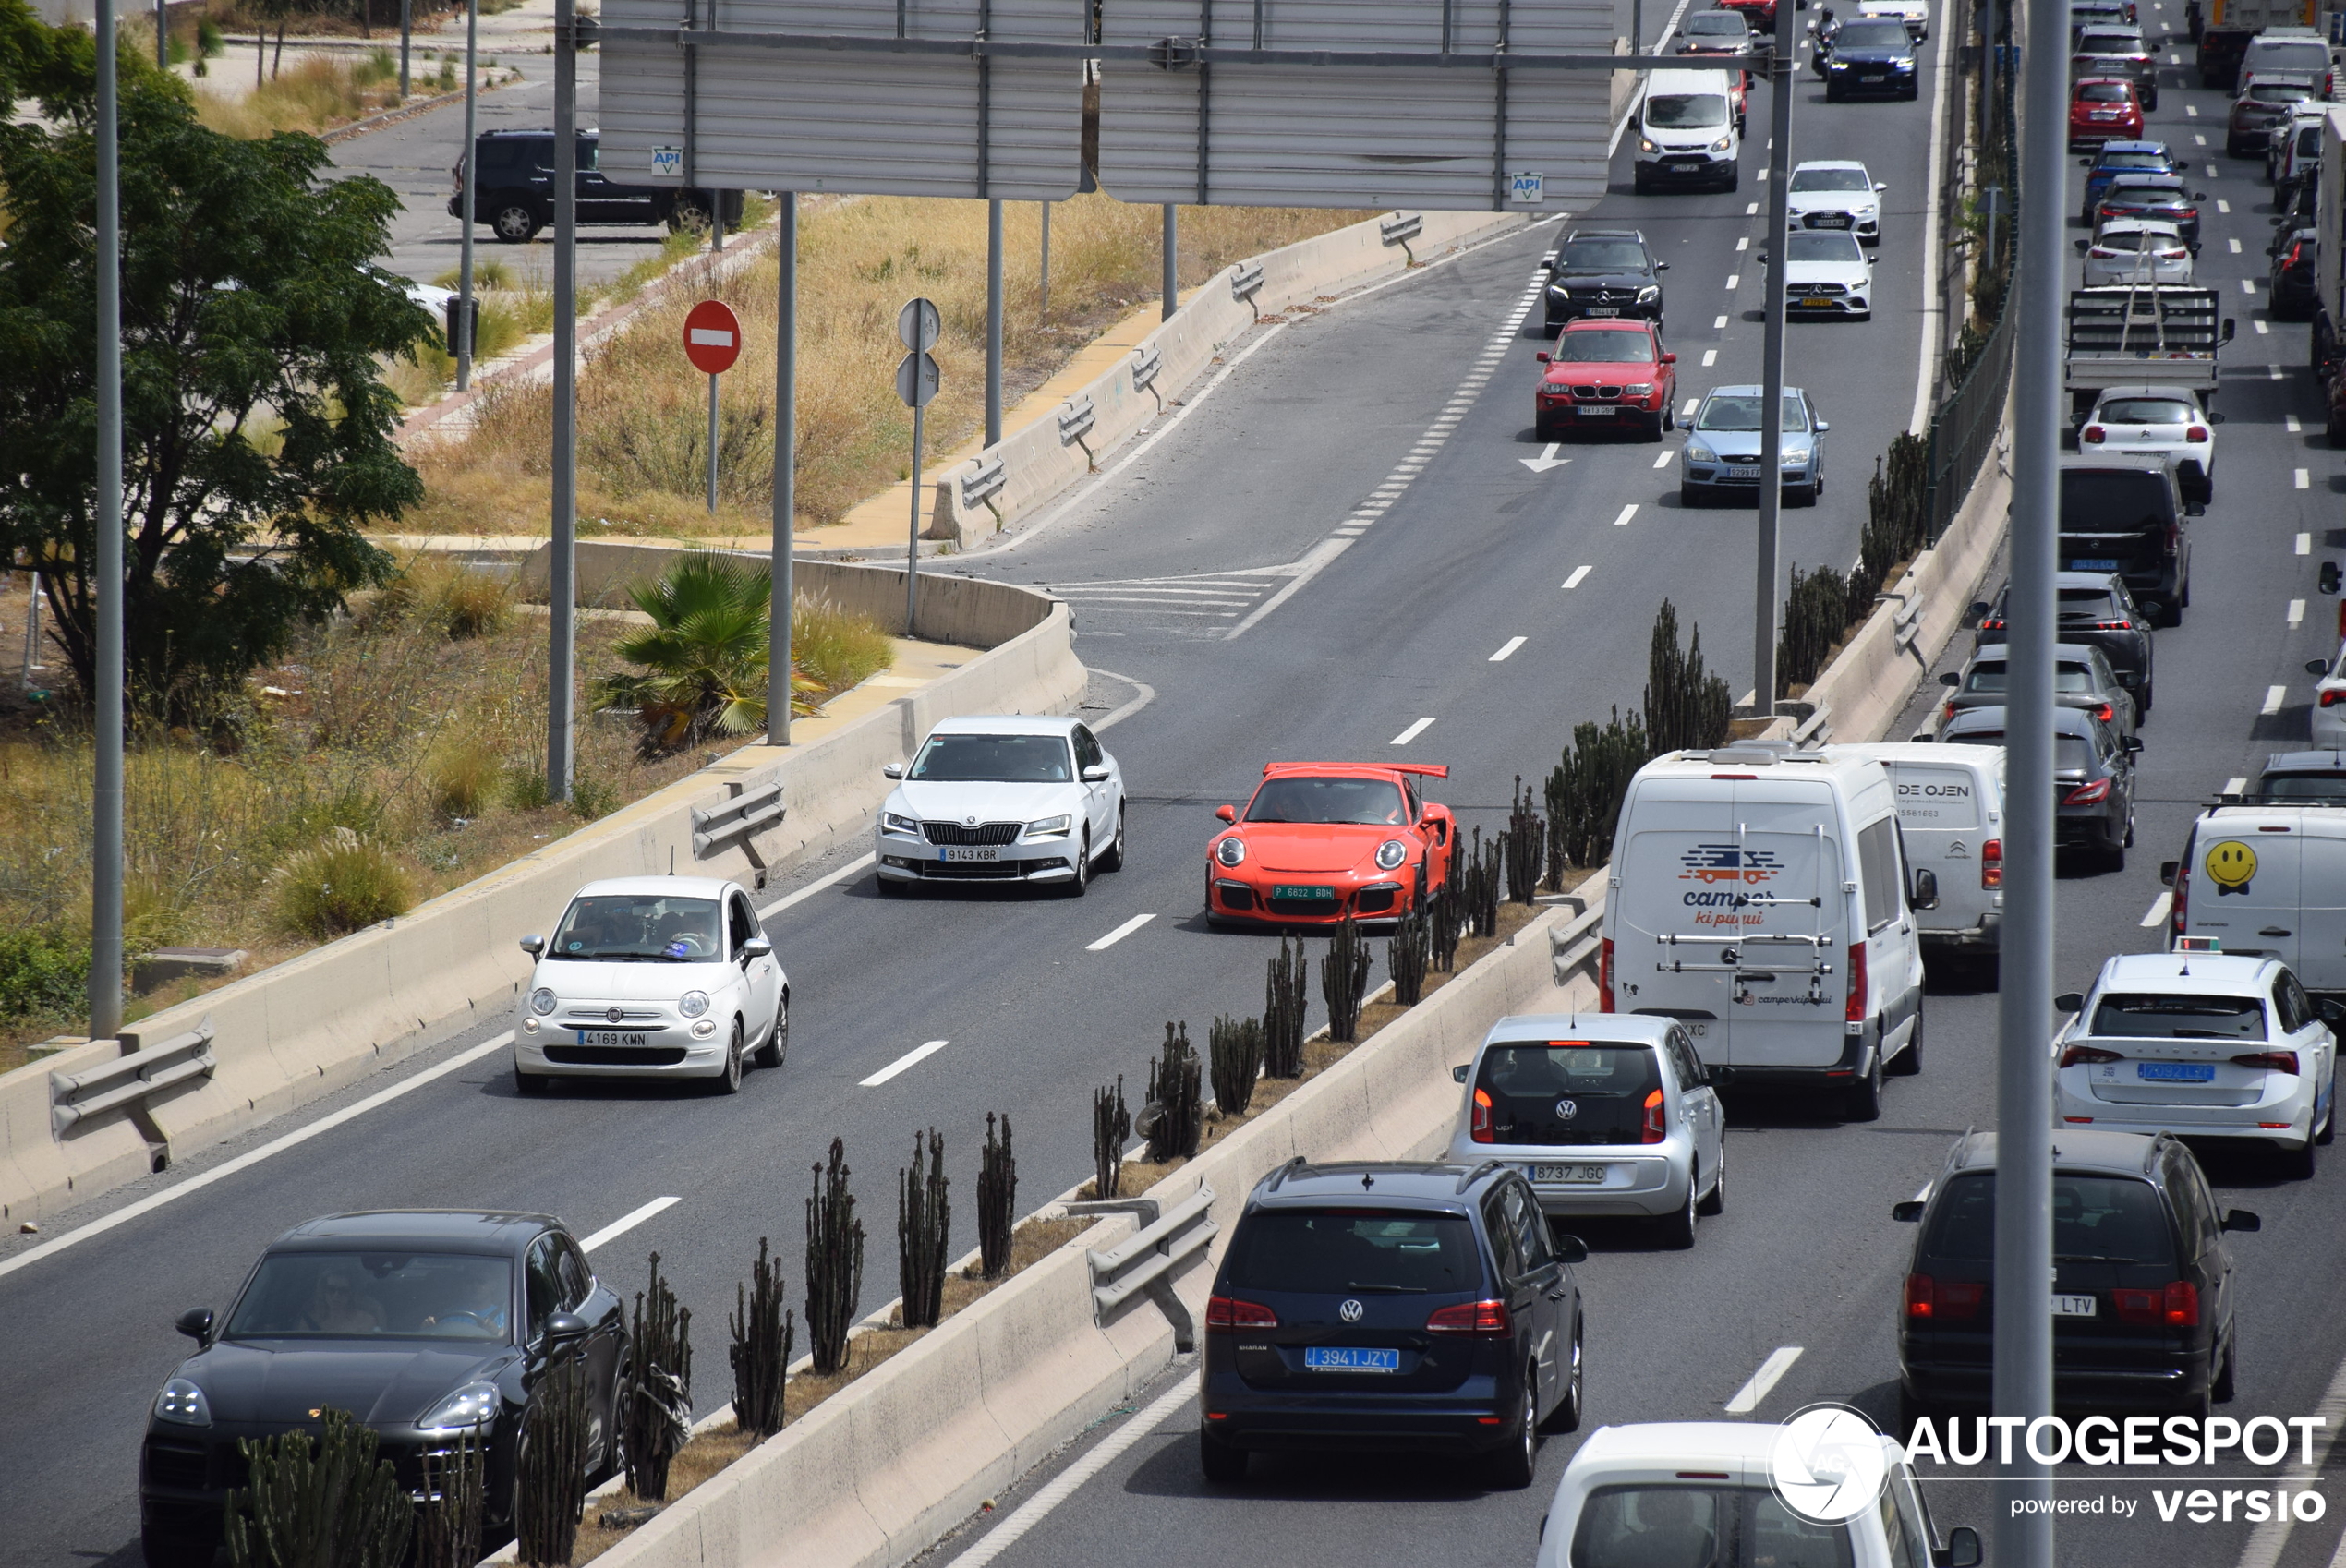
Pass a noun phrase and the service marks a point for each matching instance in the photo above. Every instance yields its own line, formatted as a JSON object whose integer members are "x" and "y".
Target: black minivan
{"x": 2128, "y": 518}
{"x": 2142, "y": 1300}
{"x": 517, "y": 195}
{"x": 1393, "y": 1306}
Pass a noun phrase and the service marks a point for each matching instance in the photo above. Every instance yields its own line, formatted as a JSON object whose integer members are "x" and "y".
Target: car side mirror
{"x": 2195, "y": 509}
{"x": 1908, "y": 1211}
{"x": 565, "y": 1328}
{"x": 1095, "y": 774}
{"x": 1763, "y": 258}
{"x": 2327, "y": 580}
{"x": 2318, "y": 666}
{"x": 1459, "y": 1073}
{"x": 534, "y": 945}
{"x": 1922, "y": 890}
{"x": 2167, "y": 869}
{"x": 2231, "y": 327}
{"x": 1226, "y": 814}
{"x": 1669, "y": 359}
{"x": 1961, "y": 1550}
{"x": 892, "y": 770}
{"x": 1571, "y": 1249}
{"x": 2332, "y": 1012}
{"x": 757, "y": 947}
{"x": 195, "y": 1323}
{"x": 2242, "y": 1220}
{"x": 2069, "y": 1001}
{"x": 1823, "y": 425}
{"x": 1661, "y": 266}
{"x": 1951, "y": 678}
{"x": 2199, "y": 195}
{"x": 1542, "y": 356}
{"x": 2134, "y": 744}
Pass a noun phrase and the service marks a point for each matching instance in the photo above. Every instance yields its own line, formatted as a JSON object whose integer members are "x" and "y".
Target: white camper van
{"x": 1760, "y": 895}
{"x": 1951, "y": 814}
{"x": 2266, "y": 882}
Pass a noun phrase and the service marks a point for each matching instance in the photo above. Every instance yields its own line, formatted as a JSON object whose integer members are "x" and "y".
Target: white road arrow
{"x": 1546, "y": 460}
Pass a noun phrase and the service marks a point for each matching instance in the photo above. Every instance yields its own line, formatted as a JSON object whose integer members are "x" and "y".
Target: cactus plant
{"x": 763, "y": 1335}
{"x": 924, "y": 1227}
{"x": 1444, "y": 920}
{"x": 553, "y": 1465}
{"x": 449, "y": 1519}
{"x": 660, "y": 1388}
{"x": 1174, "y": 1117}
{"x": 1235, "y": 1047}
{"x": 1405, "y": 956}
{"x": 1111, "y": 1129}
{"x": 1343, "y": 978}
{"x": 1284, "y": 998}
{"x": 330, "y": 1501}
{"x": 1587, "y": 786}
{"x": 1526, "y": 845}
{"x": 1816, "y": 612}
{"x": 834, "y": 1263}
{"x": 1686, "y": 707}
{"x": 997, "y": 1200}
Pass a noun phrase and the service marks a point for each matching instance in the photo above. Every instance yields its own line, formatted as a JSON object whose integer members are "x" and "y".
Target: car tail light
{"x": 2330, "y": 698}
{"x": 1482, "y": 1116}
{"x": 1856, "y": 1008}
{"x": 2104, "y": 254}
{"x": 2085, "y": 1055}
{"x": 1949, "y": 712}
{"x": 1654, "y": 1132}
{"x": 2176, "y": 1306}
{"x": 1991, "y": 864}
{"x": 2178, "y": 907}
{"x": 1472, "y": 1317}
{"x": 1604, "y": 975}
{"x": 2094, "y": 433}
{"x": 2105, "y": 713}
{"x": 2271, "y": 1061}
{"x": 1938, "y": 1300}
{"x": 1224, "y": 1313}
{"x": 2177, "y": 254}
{"x": 2341, "y": 618}
{"x": 1993, "y": 625}
{"x": 2114, "y": 625}
{"x": 2174, "y": 537}
{"x": 2087, "y": 794}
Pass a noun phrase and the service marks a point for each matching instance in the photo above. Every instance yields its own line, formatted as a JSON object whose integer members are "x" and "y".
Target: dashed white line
{"x": 2291, "y": 423}
{"x": 1411, "y": 733}
{"x": 2196, "y": 138}
{"x": 1742, "y": 244}
{"x": 1661, "y": 459}
{"x": 1733, "y": 279}
{"x": 2304, "y": 544}
{"x": 2158, "y": 908}
{"x": 1627, "y": 513}
{"x": 1687, "y": 412}
{"x": 2304, "y": 481}
{"x": 628, "y": 1222}
{"x": 770, "y": 911}
{"x": 1751, "y": 209}
{"x": 1119, "y": 934}
{"x": 1747, "y": 1398}
{"x": 1580, "y": 573}
{"x": 914, "y": 1057}
{"x": 2193, "y": 109}
{"x": 2222, "y": 205}
{"x": 2234, "y": 245}
{"x": 2296, "y": 613}
{"x": 1076, "y": 1476}
{"x": 1709, "y": 358}
{"x": 1507, "y": 649}
{"x": 2247, "y": 285}
{"x": 1720, "y": 325}
{"x": 2273, "y": 697}
{"x": 2262, "y": 329}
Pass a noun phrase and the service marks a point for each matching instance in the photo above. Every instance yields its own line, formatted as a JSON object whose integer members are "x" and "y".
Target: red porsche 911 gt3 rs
{"x": 1324, "y": 840}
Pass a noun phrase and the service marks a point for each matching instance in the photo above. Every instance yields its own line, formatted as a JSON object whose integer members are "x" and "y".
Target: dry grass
{"x": 312, "y": 94}
{"x": 643, "y": 411}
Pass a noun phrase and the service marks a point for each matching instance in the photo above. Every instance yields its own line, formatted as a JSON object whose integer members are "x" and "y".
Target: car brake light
{"x": 2095, "y": 432}
{"x": 2179, "y": 906}
{"x": 2087, "y": 794}
{"x": 2271, "y": 1061}
{"x": 1654, "y": 1132}
{"x": 2341, "y": 618}
{"x": 2104, "y": 254}
{"x": 2114, "y": 625}
{"x": 2085, "y": 1055}
{"x": 1949, "y": 712}
{"x": 2177, "y": 254}
{"x": 1997, "y": 625}
{"x": 2330, "y": 698}
{"x": 1941, "y": 1299}
{"x": 2174, "y": 537}
{"x": 1224, "y": 1313}
{"x": 1472, "y": 1317}
{"x": 1482, "y": 1116}
{"x": 1991, "y": 864}
{"x": 2197, "y": 432}
{"x": 1856, "y": 1008}
{"x": 2105, "y": 713}
{"x": 1604, "y": 975}
{"x": 2136, "y": 1306}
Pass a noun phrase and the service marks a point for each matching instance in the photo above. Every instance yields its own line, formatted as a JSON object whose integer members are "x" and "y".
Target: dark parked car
{"x": 2129, "y": 518}
{"x": 2294, "y": 292}
{"x": 2163, "y": 197}
{"x": 2122, "y": 158}
{"x": 2292, "y": 779}
{"x": 1392, "y": 1306}
{"x": 2143, "y": 1286}
{"x": 2097, "y": 610}
{"x": 2082, "y": 679}
{"x": 517, "y": 195}
{"x": 1867, "y": 55}
{"x": 2093, "y": 775}
{"x": 1604, "y": 272}
{"x": 426, "y": 1325}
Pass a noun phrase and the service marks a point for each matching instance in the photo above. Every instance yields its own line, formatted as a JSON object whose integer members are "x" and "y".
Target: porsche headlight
{"x": 907, "y": 826}
{"x": 183, "y": 1403}
{"x": 1050, "y": 826}
{"x": 1391, "y": 853}
{"x": 1698, "y": 452}
{"x": 542, "y": 1001}
{"x": 692, "y": 1004}
{"x": 475, "y": 1405}
{"x": 1724, "y": 143}
{"x": 1230, "y": 850}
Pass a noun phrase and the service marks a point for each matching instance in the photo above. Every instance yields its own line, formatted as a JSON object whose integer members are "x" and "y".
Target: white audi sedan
{"x": 1003, "y": 799}
{"x": 1827, "y": 273}
{"x": 652, "y": 976}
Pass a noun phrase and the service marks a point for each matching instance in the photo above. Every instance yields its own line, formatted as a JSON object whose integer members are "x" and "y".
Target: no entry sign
{"x": 712, "y": 337}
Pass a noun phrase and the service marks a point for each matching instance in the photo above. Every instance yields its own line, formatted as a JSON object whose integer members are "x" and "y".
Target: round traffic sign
{"x": 712, "y": 337}
{"x": 917, "y": 325}
{"x": 916, "y": 380}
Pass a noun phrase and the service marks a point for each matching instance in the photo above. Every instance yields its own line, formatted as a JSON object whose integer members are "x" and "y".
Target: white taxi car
{"x": 652, "y": 976}
{"x": 2162, "y": 421}
{"x": 1003, "y": 798}
{"x": 2202, "y": 1044}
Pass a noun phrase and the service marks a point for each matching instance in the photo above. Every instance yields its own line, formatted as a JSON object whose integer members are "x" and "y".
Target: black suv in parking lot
{"x": 1604, "y": 272}
{"x": 2143, "y": 1289}
{"x": 1392, "y": 1306}
{"x": 517, "y": 195}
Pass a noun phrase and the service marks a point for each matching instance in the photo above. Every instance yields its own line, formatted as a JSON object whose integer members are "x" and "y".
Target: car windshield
{"x": 2123, "y": 192}
{"x": 2109, "y": 43}
{"x": 2327, "y": 788}
{"x": 1804, "y": 245}
{"x": 2104, "y": 92}
{"x": 1741, "y": 411}
{"x": 1686, "y": 111}
{"x": 1724, "y": 24}
{"x": 1568, "y": 1092}
{"x": 2111, "y": 1219}
{"x": 2146, "y": 1015}
{"x": 2292, "y": 56}
{"x": 1697, "y": 1526}
{"x": 2279, "y": 92}
{"x": 1603, "y": 256}
{"x": 2107, "y": 500}
{"x": 993, "y": 759}
{"x": 2144, "y": 411}
{"x": 1608, "y": 346}
{"x": 1989, "y": 676}
{"x": 1830, "y": 179}
{"x": 1396, "y": 1251}
{"x": 376, "y": 1294}
{"x": 638, "y": 928}
{"x": 2089, "y": 604}
{"x": 1366, "y": 801}
{"x": 1871, "y": 35}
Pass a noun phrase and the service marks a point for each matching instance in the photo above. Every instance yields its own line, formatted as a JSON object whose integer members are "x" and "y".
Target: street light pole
{"x": 1172, "y": 248}
{"x": 406, "y": 35}
{"x": 105, "y": 837}
{"x": 992, "y": 323}
{"x": 472, "y": 199}
{"x": 781, "y": 603}
{"x": 562, "y": 566}
{"x": 1763, "y": 631}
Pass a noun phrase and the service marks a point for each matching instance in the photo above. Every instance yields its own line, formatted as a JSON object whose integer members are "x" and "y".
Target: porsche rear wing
{"x": 1423, "y": 769}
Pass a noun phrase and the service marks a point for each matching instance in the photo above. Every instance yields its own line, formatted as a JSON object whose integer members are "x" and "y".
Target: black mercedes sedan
{"x": 425, "y": 1324}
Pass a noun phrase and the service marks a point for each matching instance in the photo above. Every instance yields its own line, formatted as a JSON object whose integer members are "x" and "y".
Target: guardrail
{"x": 1145, "y": 1261}
{"x": 1148, "y": 362}
{"x": 1572, "y": 946}
{"x": 1400, "y": 229}
{"x": 1246, "y": 282}
{"x": 76, "y": 1096}
{"x": 985, "y": 480}
{"x": 747, "y": 814}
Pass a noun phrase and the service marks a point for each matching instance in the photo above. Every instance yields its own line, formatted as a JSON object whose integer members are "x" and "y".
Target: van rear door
{"x": 2245, "y": 887}
{"x": 1944, "y": 820}
{"x": 2320, "y": 963}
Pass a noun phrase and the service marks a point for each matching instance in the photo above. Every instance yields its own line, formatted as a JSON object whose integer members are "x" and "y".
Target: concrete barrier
{"x": 307, "y": 1027}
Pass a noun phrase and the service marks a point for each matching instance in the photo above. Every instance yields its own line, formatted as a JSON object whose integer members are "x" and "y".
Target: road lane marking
{"x": 1072, "y": 1479}
{"x": 2263, "y": 329}
{"x": 245, "y": 1162}
{"x": 1411, "y": 733}
{"x": 2296, "y": 613}
{"x": 1546, "y": 460}
{"x": 2264, "y": 1542}
{"x": 2234, "y": 243}
{"x": 1119, "y": 934}
{"x": 2273, "y": 697}
{"x": 1661, "y": 459}
{"x": 2304, "y": 481}
{"x": 1507, "y": 649}
{"x": 1627, "y": 513}
{"x": 2196, "y": 138}
{"x": 1311, "y": 566}
{"x": 914, "y": 1057}
{"x": 2247, "y": 285}
{"x": 1687, "y": 412}
{"x": 1709, "y": 358}
{"x": 2158, "y": 908}
{"x": 861, "y": 862}
{"x": 1579, "y": 573}
{"x": 2292, "y": 422}
{"x": 1720, "y": 325}
{"x": 2234, "y": 786}
{"x": 2304, "y": 544}
{"x": 2222, "y": 205}
{"x": 1733, "y": 279}
{"x": 2193, "y": 109}
{"x": 1743, "y": 245}
{"x": 1747, "y": 1398}
{"x": 627, "y": 1222}
{"x": 1934, "y": 322}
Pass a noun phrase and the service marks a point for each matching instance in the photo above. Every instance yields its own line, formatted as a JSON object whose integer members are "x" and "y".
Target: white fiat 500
{"x": 1003, "y": 799}
{"x": 652, "y": 976}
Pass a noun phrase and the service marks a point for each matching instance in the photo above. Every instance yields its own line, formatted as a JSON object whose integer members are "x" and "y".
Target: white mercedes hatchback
{"x": 1003, "y": 799}
{"x": 652, "y": 976}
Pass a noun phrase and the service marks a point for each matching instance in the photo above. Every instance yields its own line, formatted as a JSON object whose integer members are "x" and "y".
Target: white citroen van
{"x": 1951, "y": 814}
{"x": 1760, "y": 895}
{"x": 1687, "y": 131}
{"x": 2266, "y": 882}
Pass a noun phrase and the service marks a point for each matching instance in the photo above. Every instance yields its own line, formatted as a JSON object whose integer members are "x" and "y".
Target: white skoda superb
{"x": 1003, "y": 799}
{"x": 656, "y": 976}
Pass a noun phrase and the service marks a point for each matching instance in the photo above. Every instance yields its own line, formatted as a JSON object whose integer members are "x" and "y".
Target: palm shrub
{"x": 659, "y": 1409}
{"x": 834, "y": 1261}
{"x": 763, "y": 1333}
{"x": 924, "y": 1225}
{"x": 702, "y": 660}
{"x": 1235, "y": 1048}
{"x": 328, "y": 1502}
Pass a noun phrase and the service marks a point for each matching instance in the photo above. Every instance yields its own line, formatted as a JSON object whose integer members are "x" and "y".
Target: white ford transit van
{"x": 1687, "y": 131}
{"x": 1760, "y": 895}
{"x": 2266, "y": 882}
{"x": 1951, "y": 814}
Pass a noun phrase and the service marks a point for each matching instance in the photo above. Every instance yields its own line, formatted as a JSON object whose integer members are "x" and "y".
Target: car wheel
{"x": 729, "y": 1081}
{"x": 2145, "y": 704}
{"x": 532, "y": 1082}
{"x": 1643, "y": 185}
{"x": 1735, "y": 179}
{"x": 2130, "y": 832}
{"x": 2297, "y": 1161}
{"x": 1082, "y": 882}
{"x": 1541, "y": 429}
{"x": 1658, "y": 426}
{"x": 1224, "y": 1463}
{"x": 1716, "y": 1202}
{"x": 613, "y": 1458}
{"x": 2232, "y": 148}
{"x": 1677, "y": 1230}
{"x": 1908, "y": 1062}
{"x": 690, "y": 212}
{"x": 2329, "y": 1133}
{"x": 516, "y": 222}
{"x": 1690, "y": 496}
{"x": 1113, "y": 859}
{"x": 2151, "y": 104}
{"x": 1670, "y": 414}
{"x": 1864, "y": 1095}
{"x": 1566, "y": 1417}
{"x": 777, "y": 1047}
{"x": 2336, "y": 428}
{"x": 2113, "y": 853}
{"x": 2227, "y": 1381}
{"x": 1801, "y": 495}
{"x": 1516, "y": 1463}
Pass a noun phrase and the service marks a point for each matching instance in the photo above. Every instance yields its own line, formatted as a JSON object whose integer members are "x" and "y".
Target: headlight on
{"x": 907, "y": 826}
{"x": 1050, "y": 826}
{"x": 183, "y": 1403}
{"x": 1723, "y": 144}
{"x": 1391, "y": 853}
{"x": 692, "y": 1004}
{"x": 475, "y": 1405}
{"x": 542, "y": 1001}
{"x": 1837, "y": 66}
{"x": 1698, "y": 452}
{"x": 1646, "y": 144}
{"x": 1230, "y": 850}
{"x": 1649, "y": 294}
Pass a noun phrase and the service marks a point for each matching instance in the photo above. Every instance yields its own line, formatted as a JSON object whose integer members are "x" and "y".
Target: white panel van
{"x": 1951, "y": 814}
{"x": 1760, "y": 895}
{"x": 1689, "y": 132}
{"x": 2267, "y": 881}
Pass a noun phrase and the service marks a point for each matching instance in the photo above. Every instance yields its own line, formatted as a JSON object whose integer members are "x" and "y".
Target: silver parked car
{"x": 1003, "y": 798}
{"x": 1605, "y": 1113}
{"x": 1722, "y": 453}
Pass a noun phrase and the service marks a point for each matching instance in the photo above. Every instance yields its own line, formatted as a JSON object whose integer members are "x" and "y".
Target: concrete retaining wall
{"x": 307, "y": 1027}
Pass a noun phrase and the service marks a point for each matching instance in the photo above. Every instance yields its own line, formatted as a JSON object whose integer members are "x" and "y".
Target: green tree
{"x": 256, "y": 425}
{"x": 704, "y": 657}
